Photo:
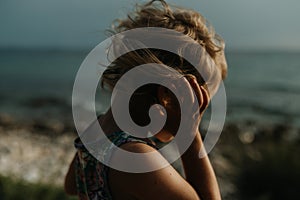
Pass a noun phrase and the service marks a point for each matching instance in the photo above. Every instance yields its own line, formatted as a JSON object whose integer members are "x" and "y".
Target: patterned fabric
{"x": 91, "y": 175}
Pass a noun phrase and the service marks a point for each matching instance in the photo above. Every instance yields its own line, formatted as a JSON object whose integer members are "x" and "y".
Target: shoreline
{"x": 40, "y": 151}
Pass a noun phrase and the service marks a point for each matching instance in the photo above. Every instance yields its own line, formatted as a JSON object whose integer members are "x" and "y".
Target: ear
{"x": 162, "y": 95}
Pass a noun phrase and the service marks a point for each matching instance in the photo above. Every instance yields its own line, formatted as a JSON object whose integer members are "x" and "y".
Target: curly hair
{"x": 188, "y": 22}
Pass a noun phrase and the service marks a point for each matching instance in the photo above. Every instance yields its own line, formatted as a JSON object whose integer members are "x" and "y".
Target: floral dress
{"x": 91, "y": 175}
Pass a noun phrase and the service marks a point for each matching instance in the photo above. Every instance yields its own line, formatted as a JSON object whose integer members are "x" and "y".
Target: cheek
{"x": 173, "y": 119}
{"x": 173, "y": 110}
{"x": 172, "y": 107}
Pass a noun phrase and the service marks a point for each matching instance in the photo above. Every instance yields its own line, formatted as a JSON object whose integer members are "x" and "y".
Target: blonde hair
{"x": 162, "y": 15}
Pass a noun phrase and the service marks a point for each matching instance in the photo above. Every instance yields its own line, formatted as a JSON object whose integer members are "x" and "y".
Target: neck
{"x": 108, "y": 123}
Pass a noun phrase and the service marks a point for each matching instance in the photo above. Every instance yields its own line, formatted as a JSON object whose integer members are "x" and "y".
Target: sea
{"x": 262, "y": 86}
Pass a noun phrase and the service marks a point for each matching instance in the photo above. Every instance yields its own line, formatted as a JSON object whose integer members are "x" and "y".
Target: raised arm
{"x": 199, "y": 172}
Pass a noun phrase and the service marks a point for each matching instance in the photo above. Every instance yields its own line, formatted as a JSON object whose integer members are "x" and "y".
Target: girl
{"x": 90, "y": 179}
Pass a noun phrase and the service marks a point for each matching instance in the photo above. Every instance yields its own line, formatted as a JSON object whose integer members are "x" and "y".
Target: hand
{"x": 192, "y": 98}
{"x": 196, "y": 103}
{"x": 202, "y": 95}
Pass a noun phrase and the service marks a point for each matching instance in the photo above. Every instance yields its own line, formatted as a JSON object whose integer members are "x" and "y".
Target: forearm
{"x": 199, "y": 172}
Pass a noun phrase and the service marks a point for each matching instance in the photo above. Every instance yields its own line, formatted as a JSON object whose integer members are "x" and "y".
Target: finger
{"x": 206, "y": 99}
{"x": 197, "y": 90}
{"x": 187, "y": 96}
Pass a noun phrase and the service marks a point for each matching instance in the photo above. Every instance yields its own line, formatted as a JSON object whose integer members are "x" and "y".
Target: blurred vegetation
{"x": 11, "y": 189}
{"x": 276, "y": 175}
{"x": 267, "y": 161}
{"x": 253, "y": 161}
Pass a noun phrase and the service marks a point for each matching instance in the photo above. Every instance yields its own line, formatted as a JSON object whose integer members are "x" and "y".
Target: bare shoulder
{"x": 164, "y": 183}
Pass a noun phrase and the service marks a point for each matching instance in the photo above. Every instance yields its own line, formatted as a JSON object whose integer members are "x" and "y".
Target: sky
{"x": 80, "y": 24}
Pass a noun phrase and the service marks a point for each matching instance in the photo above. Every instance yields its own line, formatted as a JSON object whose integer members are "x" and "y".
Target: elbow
{"x": 70, "y": 190}
{"x": 70, "y": 186}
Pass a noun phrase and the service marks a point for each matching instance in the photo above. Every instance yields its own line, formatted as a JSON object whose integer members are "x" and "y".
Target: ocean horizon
{"x": 262, "y": 85}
